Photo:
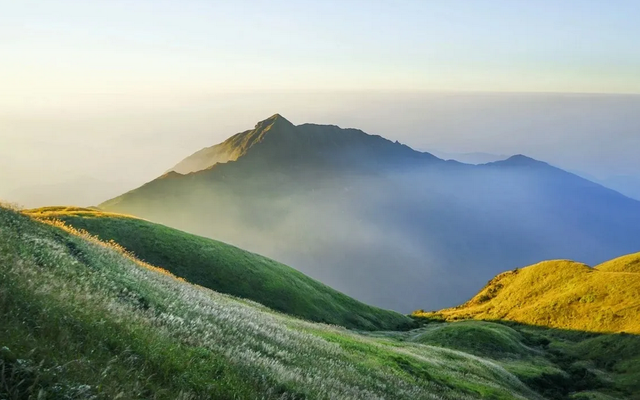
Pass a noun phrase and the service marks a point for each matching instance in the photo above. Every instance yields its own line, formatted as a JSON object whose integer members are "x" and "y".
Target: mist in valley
{"x": 434, "y": 237}
{"x": 435, "y": 233}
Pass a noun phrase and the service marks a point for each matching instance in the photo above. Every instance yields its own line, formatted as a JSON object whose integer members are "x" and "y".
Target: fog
{"x": 416, "y": 237}
{"x": 404, "y": 240}
{"x": 87, "y": 148}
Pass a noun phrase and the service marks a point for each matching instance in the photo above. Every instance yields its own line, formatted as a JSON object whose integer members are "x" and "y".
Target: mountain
{"x": 626, "y": 184}
{"x": 227, "y": 269}
{"x": 374, "y": 218}
{"x": 562, "y": 294}
{"x": 82, "y": 318}
{"x": 279, "y": 142}
{"x": 469, "y": 158}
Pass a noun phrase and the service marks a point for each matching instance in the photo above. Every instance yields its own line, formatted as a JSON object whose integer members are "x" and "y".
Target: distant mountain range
{"x": 628, "y": 185}
{"x": 470, "y": 158}
{"x": 384, "y": 223}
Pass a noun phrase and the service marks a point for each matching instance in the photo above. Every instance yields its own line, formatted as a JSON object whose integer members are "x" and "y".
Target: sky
{"x": 116, "y": 92}
{"x": 136, "y": 46}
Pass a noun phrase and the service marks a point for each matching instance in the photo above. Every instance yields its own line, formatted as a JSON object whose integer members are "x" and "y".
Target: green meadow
{"x": 85, "y": 318}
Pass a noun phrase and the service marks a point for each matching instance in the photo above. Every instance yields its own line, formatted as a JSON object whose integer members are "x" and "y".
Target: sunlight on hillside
{"x": 562, "y": 294}
{"x": 111, "y": 244}
{"x": 53, "y": 211}
{"x": 116, "y": 330}
{"x": 226, "y": 268}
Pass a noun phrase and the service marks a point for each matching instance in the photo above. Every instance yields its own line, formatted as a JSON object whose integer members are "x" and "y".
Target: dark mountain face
{"x": 278, "y": 143}
{"x": 386, "y": 224}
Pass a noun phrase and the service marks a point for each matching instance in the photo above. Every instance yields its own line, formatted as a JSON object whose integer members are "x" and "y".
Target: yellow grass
{"x": 108, "y": 244}
{"x": 56, "y": 211}
{"x": 628, "y": 263}
{"x": 560, "y": 294}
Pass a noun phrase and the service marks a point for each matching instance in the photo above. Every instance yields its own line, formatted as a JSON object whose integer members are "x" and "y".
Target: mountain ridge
{"x": 282, "y": 139}
{"x": 370, "y": 217}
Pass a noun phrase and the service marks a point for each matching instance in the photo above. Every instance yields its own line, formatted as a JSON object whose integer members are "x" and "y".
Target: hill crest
{"x": 226, "y": 268}
{"x": 560, "y": 294}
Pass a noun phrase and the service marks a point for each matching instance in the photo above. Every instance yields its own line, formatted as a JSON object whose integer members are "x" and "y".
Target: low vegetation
{"x": 562, "y": 294}
{"x": 82, "y": 319}
{"x": 556, "y": 363}
{"x": 227, "y": 269}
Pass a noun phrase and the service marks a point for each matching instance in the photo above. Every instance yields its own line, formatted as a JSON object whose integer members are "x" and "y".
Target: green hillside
{"x": 561, "y": 294}
{"x": 81, "y": 319}
{"x": 228, "y": 269}
{"x": 559, "y": 364}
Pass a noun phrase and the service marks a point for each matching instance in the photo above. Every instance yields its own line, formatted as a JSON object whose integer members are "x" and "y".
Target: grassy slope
{"x": 559, "y": 364}
{"x": 628, "y": 263}
{"x": 562, "y": 294}
{"x": 82, "y": 319}
{"x": 228, "y": 269}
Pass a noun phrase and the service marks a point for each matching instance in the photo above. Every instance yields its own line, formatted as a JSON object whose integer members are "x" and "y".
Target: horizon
{"x": 50, "y": 156}
{"x": 196, "y": 46}
{"x": 119, "y": 91}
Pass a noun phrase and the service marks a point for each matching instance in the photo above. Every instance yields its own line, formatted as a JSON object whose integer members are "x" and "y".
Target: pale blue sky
{"x": 121, "y": 90}
{"x": 204, "y": 46}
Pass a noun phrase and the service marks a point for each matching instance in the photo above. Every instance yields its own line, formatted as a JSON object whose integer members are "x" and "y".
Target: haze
{"x": 99, "y": 97}
{"x": 78, "y": 155}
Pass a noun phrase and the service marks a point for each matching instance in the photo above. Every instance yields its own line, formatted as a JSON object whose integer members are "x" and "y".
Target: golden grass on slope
{"x": 560, "y": 294}
{"x": 61, "y": 211}
{"x": 628, "y": 263}
{"x": 107, "y": 244}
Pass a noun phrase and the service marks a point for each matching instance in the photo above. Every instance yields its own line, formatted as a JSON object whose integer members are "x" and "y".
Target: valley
{"x": 84, "y": 318}
{"x": 371, "y": 217}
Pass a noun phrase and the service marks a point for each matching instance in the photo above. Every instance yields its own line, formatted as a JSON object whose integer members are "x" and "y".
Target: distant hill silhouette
{"x": 469, "y": 158}
{"x": 382, "y": 222}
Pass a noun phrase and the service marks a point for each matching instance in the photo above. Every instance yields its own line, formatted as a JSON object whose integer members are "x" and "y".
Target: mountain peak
{"x": 519, "y": 160}
{"x": 276, "y": 141}
{"x": 522, "y": 160}
{"x": 275, "y": 119}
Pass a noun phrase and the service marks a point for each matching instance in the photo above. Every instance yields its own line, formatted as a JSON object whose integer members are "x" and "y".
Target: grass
{"x": 227, "y": 269}
{"x": 628, "y": 263}
{"x": 484, "y": 339}
{"x": 561, "y": 294}
{"x": 82, "y": 319}
{"x": 556, "y": 363}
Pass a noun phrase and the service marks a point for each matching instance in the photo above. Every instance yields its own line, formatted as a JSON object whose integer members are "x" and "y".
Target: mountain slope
{"x": 82, "y": 319}
{"x": 232, "y": 148}
{"x": 227, "y": 269}
{"x": 561, "y": 294}
{"x": 279, "y": 141}
{"x": 373, "y": 218}
{"x": 557, "y": 363}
